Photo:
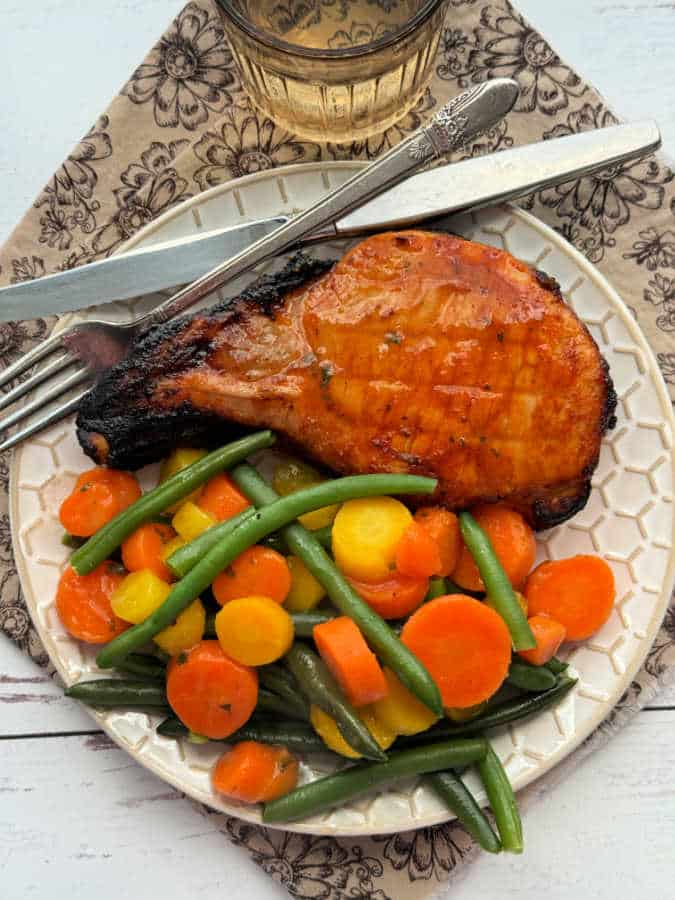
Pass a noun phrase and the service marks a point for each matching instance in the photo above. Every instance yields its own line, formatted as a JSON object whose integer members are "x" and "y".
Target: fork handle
{"x": 458, "y": 122}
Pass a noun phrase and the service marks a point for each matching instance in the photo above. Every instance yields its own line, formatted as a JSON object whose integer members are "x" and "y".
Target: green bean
{"x": 294, "y": 735}
{"x": 379, "y": 635}
{"x": 109, "y": 538}
{"x": 186, "y": 557}
{"x": 112, "y": 692}
{"x": 502, "y": 800}
{"x": 460, "y": 801}
{"x": 143, "y": 666}
{"x": 72, "y": 541}
{"x": 557, "y": 666}
{"x": 437, "y": 588}
{"x": 345, "y": 785}
{"x": 269, "y": 702}
{"x": 530, "y": 678}
{"x": 258, "y": 526}
{"x": 281, "y": 682}
{"x": 304, "y": 623}
{"x": 509, "y": 711}
{"x": 497, "y": 584}
{"x": 321, "y": 689}
{"x": 324, "y": 536}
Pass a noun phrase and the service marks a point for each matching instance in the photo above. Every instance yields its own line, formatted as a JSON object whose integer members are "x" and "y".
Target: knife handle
{"x": 455, "y": 124}
{"x": 500, "y": 177}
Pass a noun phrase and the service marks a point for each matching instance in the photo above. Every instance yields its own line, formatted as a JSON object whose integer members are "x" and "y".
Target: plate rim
{"x": 589, "y": 271}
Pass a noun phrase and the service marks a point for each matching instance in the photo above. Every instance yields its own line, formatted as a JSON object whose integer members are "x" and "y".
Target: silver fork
{"x": 94, "y": 346}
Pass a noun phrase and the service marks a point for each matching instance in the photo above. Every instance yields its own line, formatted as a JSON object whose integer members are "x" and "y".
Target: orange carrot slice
{"x": 98, "y": 496}
{"x": 255, "y": 773}
{"x": 577, "y": 592}
{"x": 512, "y": 540}
{"x": 221, "y": 498}
{"x": 258, "y": 571}
{"x": 464, "y": 644}
{"x": 83, "y": 603}
{"x": 417, "y": 553}
{"x": 394, "y": 598}
{"x": 145, "y": 549}
{"x": 549, "y": 635}
{"x": 209, "y": 692}
{"x": 443, "y": 526}
{"x": 351, "y": 661}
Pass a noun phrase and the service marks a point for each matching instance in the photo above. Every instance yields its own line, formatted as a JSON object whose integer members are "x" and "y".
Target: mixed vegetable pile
{"x": 322, "y": 615}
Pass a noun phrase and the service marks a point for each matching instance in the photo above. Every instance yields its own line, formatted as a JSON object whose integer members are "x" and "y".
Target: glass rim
{"x": 264, "y": 37}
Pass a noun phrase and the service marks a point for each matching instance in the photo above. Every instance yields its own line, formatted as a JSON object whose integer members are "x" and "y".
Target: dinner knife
{"x": 453, "y": 188}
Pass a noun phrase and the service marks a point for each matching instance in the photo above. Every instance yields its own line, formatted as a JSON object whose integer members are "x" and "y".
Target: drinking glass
{"x": 334, "y": 70}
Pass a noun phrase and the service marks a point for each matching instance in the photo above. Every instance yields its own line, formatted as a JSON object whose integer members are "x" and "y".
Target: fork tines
{"x": 55, "y": 388}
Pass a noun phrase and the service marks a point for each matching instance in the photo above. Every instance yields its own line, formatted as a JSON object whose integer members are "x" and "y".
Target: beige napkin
{"x": 181, "y": 125}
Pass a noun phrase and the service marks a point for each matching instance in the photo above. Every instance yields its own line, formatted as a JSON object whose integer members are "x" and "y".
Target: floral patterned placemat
{"x": 182, "y": 124}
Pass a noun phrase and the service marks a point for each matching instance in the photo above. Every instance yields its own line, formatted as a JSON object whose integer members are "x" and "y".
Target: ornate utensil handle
{"x": 458, "y": 122}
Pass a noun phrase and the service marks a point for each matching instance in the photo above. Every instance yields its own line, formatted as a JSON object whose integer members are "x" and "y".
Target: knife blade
{"x": 131, "y": 274}
{"x": 453, "y": 188}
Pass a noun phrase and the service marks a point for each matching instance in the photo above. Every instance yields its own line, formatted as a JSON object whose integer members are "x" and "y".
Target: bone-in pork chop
{"x": 416, "y": 352}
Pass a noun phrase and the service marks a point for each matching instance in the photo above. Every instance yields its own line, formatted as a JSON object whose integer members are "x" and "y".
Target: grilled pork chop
{"x": 416, "y": 352}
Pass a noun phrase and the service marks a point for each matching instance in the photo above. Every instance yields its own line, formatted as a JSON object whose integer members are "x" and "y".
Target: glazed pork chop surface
{"x": 416, "y": 352}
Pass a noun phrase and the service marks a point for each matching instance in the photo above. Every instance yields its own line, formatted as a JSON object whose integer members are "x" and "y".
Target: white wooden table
{"x": 77, "y": 817}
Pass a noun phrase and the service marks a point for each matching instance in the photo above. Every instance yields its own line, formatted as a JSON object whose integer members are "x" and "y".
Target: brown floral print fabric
{"x": 183, "y": 124}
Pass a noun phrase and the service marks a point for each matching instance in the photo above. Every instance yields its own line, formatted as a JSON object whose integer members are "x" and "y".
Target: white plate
{"x": 628, "y": 518}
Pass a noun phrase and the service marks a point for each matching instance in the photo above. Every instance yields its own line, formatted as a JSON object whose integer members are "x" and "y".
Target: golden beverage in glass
{"x": 334, "y": 70}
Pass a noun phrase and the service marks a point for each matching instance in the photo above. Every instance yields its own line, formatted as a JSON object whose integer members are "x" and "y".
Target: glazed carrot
{"x": 209, "y": 692}
{"x": 255, "y": 773}
{"x": 577, "y": 592}
{"x": 394, "y": 598}
{"x": 98, "y": 496}
{"x": 258, "y": 571}
{"x": 512, "y": 540}
{"x": 443, "y": 526}
{"x": 83, "y": 603}
{"x": 146, "y": 547}
{"x": 549, "y": 635}
{"x": 417, "y": 553}
{"x": 465, "y": 646}
{"x": 365, "y": 534}
{"x": 254, "y": 631}
{"x": 221, "y": 498}
{"x": 350, "y": 660}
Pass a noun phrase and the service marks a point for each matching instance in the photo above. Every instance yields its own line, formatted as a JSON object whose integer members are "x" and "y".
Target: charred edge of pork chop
{"x": 111, "y": 431}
